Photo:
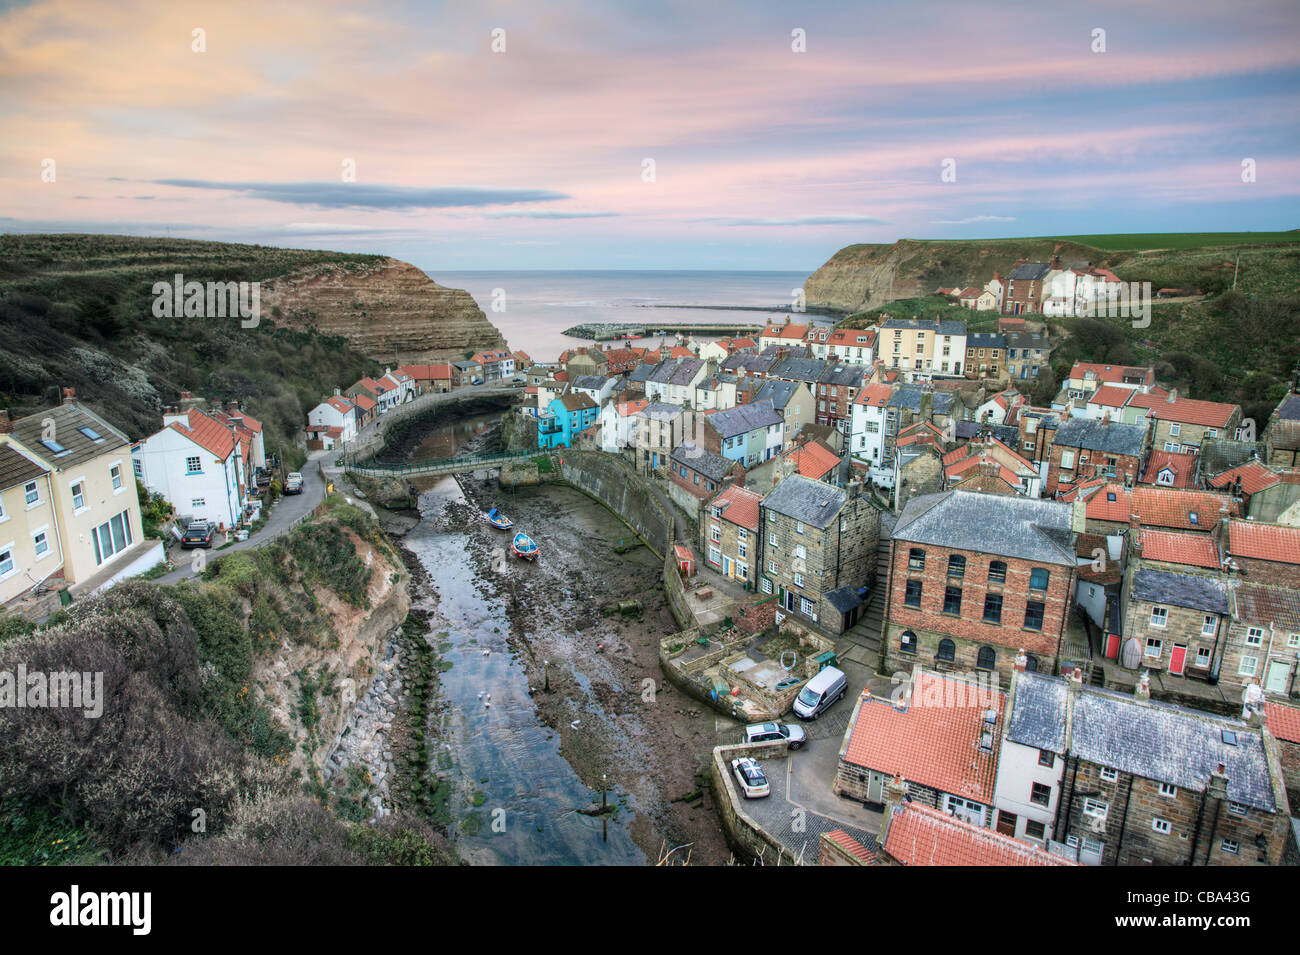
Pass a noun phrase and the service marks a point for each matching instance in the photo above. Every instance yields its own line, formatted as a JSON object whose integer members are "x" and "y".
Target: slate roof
{"x": 711, "y": 465}
{"x": 641, "y": 373}
{"x": 745, "y": 418}
{"x": 1170, "y": 744}
{"x": 1029, "y": 271}
{"x": 1107, "y": 438}
{"x": 946, "y": 326}
{"x": 986, "y": 340}
{"x": 777, "y": 392}
{"x": 592, "y": 382}
{"x": 1194, "y": 591}
{"x": 1021, "y": 527}
{"x": 806, "y": 500}
{"x": 931, "y": 741}
{"x": 17, "y": 469}
{"x": 68, "y": 418}
{"x": 660, "y": 411}
{"x": 751, "y": 363}
{"x": 844, "y": 599}
{"x": 909, "y": 397}
{"x": 1289, "y": 408}
{"x": 1038, "y": 714}
{"x": 847, "y": 375}
{"x": 799, "y": 369}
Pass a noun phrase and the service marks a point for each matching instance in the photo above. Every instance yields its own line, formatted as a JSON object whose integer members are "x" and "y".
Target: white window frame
{"x": 1243, "y": 670}
{"x": 1169, "y": 790}
{"x": 1159, "y": 617}
{"x": 1161, "y": 826}
{"x": 1108, "y": 774}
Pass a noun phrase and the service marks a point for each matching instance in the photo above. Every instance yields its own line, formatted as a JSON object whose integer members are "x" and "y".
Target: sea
{"x": 534, "y": 307}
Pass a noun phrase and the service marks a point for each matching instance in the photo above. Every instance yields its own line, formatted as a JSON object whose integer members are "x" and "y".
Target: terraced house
{"x": 1184, "y": 425}
{"x": 1263, "y": 638}
{"x": 749, "y": 433}
{"x": 729, "y": 533}
{"x": 1190, "y": 788}
{"x": 974, "y": 578}
{"x": 920, "y": 347}
{"x": 1085, "y": 450}
{"x": 31, "y": 549}
{"x": 818, "y": 550}
{"x": 1179, "y": 620}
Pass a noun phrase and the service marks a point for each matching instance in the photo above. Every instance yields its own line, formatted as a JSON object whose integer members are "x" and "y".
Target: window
{"x": 1168, "y": 791}
{"x": 193, "y": 465}
{"x": 956, "y": 566}
{"x": 1038, "y": 578}
{"x": 1109, "y": 775}
{"x": 798, "y": 580}
{"x": 1154, "y": 647}
{"x": 807, "y": 607}
{"x": 40, "y": 543}
{"x": 1046, "y": 758}
{"x": 112, "y": 537}
{"x": 715, "y": 556}
{"x": 1067, "y": 460}
{"x": 952, "y": 600}
{"x": 907, "y": 642}
{"x": 798, "y": 527}
{"x": 986, "y": 658}
{"x": 1034, "y": 615}
{"x": 198, "y": 502}
{"x": 916, "y": 559}
{"x": 997, "y": 572}
{"x": 115, "y": 472}
{"x": 1161, "y": 826}
{"x": 1175, "y": 429}
{"x": 1254, "y": 636}
{"x": 742, "y": 571}
{"x": 993, "y": 608}
{"x": 912, "y": 595}
{"x": 1035, "y": 829}
{"x": 1159, "y": 616}
{"x": 742, "y": 549}
{"x": 31, "y": 494}
{"x": 6, "y": 562}
{"x": 1230, "y": 846}
{"x": 1094, "y": 808}
{"x": 1040, "y": 794}
{"x": 1247, "y": 666}
{"x": 715, "y": 533}
{"x": 771, "y": 567}
{"x": 1238, "y": 808}
{"x": 800, "y": 552}
{"x": 91, "y": 433}
{"x": 766, "y": 586}
{"x": 742, "y": 533}
{"x": 1209, "y": 625}
{"x": 947, "y": 651}
{"x": 79, "y": 495}
{"x": 771, "y": 538}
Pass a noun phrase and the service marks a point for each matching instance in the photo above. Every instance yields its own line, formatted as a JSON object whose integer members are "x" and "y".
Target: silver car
{"x": 792, "y": 735}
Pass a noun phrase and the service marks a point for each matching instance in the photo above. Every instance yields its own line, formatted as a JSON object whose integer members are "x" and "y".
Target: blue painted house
{"x": 565, "y": 418}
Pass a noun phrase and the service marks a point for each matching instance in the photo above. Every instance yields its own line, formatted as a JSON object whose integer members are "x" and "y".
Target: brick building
{"x": 836, "y": 389}
{"x": 1084, "y": 449}
{"x": 974, "y": 578}
{"x": 818, "y": 549}
{"x": 1025, "y": 289}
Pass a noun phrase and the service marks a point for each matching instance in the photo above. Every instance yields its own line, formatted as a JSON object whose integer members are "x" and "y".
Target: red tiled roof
{"x": 1264, "y": 541}
{"x": 1183, "y": 466}
{"x": 852, "y": 846}
{"x": 875, "y": 395}
{"x": 1254, "y": 476}
{"x": 739, "y": 344}
{"x": 364, "y": 402}
{"x": 1209, "y": 414}
{"x": 1194, "y": 550}
{"x": 1111, "y": 396}
{"x": 207, "y": 432}
{"x": 741, "y": 506}
{"x": 789, "y": 332}
{"x": 341, "y": 405}
{"x": 932, "y": 741}
{"x": 1111, "y": 374}
{"x": 852, "y": 337}
{"x": 1160, "y": 506}
{"x": 629, "y": 408}
{"x": 813, "y": 459}
{"x": 919, "y": 835}
{"x": 1283, "y": 721}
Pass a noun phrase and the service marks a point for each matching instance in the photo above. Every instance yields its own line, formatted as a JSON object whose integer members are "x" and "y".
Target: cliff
{"x": 390, "y": 311}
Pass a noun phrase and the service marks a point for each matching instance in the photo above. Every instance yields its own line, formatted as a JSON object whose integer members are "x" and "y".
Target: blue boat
{"x": 499, "y": 521}
{"x": 524, "y": 547}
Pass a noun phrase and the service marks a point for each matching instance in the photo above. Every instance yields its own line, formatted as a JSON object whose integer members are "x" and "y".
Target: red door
{"x": 1176, "y": 660}
{"x": 1112, "y": 646}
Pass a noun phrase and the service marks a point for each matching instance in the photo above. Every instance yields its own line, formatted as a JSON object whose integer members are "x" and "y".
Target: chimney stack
{"x": 895, "y": 800}
{"x": 69, "y": 395}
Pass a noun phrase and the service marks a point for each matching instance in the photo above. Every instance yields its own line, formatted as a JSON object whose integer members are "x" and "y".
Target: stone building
{"x": 729, "y": 533}
{"x": 818, "y": 550}
{"x": 1263, "y": 638}
{"x": 974, "y": 578}
{"x": 1179, "y": 620}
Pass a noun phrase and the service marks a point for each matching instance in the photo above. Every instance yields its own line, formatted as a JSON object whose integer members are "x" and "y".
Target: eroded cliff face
{"x": 859, "y": 277}
{"x": 392, "y": 313}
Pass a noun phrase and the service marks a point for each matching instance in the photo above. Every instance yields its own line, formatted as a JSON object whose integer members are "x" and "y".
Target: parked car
{"x": 293, "y": 483}
{"x": 750, "y": 778}
{"x": 819, "y": 693}
{"x": 793, "y": 735}
{"x": 477, "y": 381}
{"x": 198, "y": 534}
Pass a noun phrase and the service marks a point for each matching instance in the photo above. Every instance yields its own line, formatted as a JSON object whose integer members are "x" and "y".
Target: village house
{"x": 1179, "y": 620}
{"x": 792, "y": 401}
{"x": 976, "y": 577}
{"x": 818, "y": 549}
{"x": 196, "y": 463}
{"x": 333, "y": 422}
{"x": 496, "y": 364}
{"x": 1110, "y": 506}
{"x": 986, "y": 355}
{"x": 596, "y": 387}
{"x": 1182, "y": 424}
{"x": 749, "y": 433}
{"x": 919, "y": 450}
{"x": 1282, "y": 433}
{"x": 920, "y": 347}
{"x": 1191, "y": 789}
{"x": 618, "y": 421}
{"x": 729, "y": 533}
{"x": 808, "y": 456}
{"x": 867, "y": 431}
{"x": 716, "y": 392}
{"x": 1170, "y": 469}
{"x": 673, "y": 381}
{"x": 1001, "y": 408}
{"x": 95, "y": 512}
{"x": 1025, "y": 288}
{"x": 660, "y": 428}
{"x": 1027, "y": 354}
{"x": 991, "y": 457}
{"x": 855, "y": 346}
{"x": 565, "y": 418}
{"x": 1083, "y": 450}
{"x": 467, "y": 372}
{"x": 1263, "y": 638}
{"x": 938, "y": 732}
{"x": 1283, "y": 724}
{"x": 432, "y": 378}
{"x": 744, "y": 364}
{"x": 694, "y": 476}
{"x": 783, "y": 334}
{"x": 248, "y": 429}
{"x": 583, "y": 362}
{"x": 1264, "y": 553}
{"x": 1086, "y": 377}
{"x": 32, "y": 548}
{"x": 1037, "y": 429}
{"x": 836, "y": 390}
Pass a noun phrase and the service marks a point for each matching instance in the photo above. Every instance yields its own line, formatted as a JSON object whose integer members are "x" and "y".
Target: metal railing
{"x": 473, "y": 462}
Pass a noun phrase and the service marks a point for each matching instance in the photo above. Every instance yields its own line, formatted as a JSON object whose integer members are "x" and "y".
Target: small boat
{"x": 499, "y": 521}
{"x": 524, "y": 547}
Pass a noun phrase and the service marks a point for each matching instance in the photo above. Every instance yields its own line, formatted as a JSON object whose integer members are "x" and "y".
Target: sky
{"x": 645, "y": 135}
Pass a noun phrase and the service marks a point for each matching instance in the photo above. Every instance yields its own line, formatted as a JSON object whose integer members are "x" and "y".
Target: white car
{"x": 793, "y": 736}
{"x": 750, "y": 778}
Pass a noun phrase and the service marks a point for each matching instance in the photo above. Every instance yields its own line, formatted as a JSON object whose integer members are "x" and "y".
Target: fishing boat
{"x": 524, "y": 547}
{"x": 499, "y": 521}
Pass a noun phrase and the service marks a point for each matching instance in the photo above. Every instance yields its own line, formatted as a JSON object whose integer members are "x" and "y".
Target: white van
{"x": 819, "y": 693}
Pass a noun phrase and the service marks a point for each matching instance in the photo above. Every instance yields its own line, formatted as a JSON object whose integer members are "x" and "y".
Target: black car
{"x": 198, "y": 534}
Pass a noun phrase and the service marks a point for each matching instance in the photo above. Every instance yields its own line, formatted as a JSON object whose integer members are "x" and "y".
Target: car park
{"x": 749, "y": 776}
{"x": 789, "y": 733}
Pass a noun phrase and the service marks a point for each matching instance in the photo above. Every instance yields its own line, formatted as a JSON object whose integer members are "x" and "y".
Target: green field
{"x": 1151, "y": 241}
